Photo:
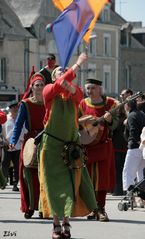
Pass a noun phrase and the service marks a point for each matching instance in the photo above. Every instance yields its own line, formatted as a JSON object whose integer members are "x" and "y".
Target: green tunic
{"x": 55, "y": 177}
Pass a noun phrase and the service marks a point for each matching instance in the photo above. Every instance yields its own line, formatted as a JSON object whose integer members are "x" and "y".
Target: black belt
{"x": 55, "y": 137}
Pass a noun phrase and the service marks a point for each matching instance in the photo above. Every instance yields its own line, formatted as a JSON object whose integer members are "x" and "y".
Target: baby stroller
{"x": 138, "y": 190}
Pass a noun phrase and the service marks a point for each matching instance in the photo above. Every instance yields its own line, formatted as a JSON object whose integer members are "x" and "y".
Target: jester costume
{"x": 30, "y": 115}
{"x": 65, "y": 188}
{"x": 100, "y": 161}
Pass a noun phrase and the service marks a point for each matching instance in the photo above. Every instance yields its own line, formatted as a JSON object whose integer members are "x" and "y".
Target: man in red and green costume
{"x": 100, "y": 161}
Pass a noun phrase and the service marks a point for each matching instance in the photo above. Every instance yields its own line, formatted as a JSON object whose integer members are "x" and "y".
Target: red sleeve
{"x": 111, "y": 103}
{"x": 68, "y": 75}
{"x": 51, "y": 90}
{"x": 3, "y": 117}
{"x": 78, "y": 96}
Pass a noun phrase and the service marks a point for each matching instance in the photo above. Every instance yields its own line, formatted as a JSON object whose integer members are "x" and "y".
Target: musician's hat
{"x": 93, "y": 81}
{"x": 37, "y": 76}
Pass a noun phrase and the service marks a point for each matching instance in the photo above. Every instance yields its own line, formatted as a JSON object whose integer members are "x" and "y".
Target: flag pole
{"x": 86, "y": 49}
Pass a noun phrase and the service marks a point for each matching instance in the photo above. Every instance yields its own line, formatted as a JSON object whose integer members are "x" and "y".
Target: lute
{"x": 93, "y": 131}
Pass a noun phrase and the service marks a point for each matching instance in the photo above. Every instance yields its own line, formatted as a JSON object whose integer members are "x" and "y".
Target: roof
{"x": 27, "y": 11}
{"x": 9, "y": 21}
{"x": 138, "y": 30}
{"x": 116, "y": 18}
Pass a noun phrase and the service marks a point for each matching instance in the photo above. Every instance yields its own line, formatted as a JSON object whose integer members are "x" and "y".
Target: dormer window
{"x": 105, "y": 15}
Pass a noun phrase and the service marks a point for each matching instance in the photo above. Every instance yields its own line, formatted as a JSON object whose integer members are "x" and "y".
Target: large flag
{"x": 96, "y": 6}
{"x": 69, "y": 28}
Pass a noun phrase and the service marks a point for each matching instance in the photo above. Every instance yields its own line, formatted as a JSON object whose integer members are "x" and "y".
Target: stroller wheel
{"x": 125, "y": 206}
{"x": 120, "y": 206}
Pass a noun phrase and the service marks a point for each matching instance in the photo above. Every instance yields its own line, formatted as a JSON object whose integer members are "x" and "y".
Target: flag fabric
{"x": 96, "y": 6}
{"x": 69, "y": 28}
{"x": 75, "y": 22}
{"x": 62, "y": 4}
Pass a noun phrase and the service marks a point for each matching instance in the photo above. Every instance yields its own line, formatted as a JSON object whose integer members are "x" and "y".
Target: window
{"x": 92, "y": 70}
{"x": 92, "y": 46}
{"x": 2, "y": 70}
{"x": 107, "y": 78}
{"x": 107, "y": 44}
{"x": 105, "y": 16}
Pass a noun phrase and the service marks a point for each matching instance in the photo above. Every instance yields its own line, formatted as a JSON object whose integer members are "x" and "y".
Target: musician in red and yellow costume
{"x": 94, "y": 110}
{"x": 30, "y": 116}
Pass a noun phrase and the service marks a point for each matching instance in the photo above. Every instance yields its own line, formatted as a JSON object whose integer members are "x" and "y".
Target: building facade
{"x": 115, "y": 55}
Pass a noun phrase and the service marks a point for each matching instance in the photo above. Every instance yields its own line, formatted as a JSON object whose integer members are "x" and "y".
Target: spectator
{"x": 47, "y": 70}
{"x": 126, "y": 93}
{"x": 120, "y": 144}
{"x": 11, "y": 156}
{"x": 134, "y": 162}
{"x": 141, "y": 103}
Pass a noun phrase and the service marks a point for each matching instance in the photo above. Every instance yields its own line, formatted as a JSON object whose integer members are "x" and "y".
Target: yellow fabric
{"x": 80, "y": 208}
{"x": 62, "y": 4}
{"x": 97, "y": 6}
{"x": 43, "y": 197}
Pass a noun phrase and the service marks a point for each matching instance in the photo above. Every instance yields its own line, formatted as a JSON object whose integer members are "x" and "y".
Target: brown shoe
{"x": 102, "y": 215}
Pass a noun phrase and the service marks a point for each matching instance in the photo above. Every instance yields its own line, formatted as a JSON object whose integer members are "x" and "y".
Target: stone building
{"x": 13, "y": 43}
{"x": 115, "y": 54}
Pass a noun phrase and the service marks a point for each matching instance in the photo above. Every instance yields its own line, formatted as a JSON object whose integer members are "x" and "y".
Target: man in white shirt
{"x": 11, "y": 155}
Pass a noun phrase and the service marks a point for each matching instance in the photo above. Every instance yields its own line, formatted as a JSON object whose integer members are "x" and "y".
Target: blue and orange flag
{"x": 76, "y": 21}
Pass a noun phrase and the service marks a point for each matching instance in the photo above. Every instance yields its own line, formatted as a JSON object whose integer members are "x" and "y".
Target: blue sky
{"x": 131, "y": 10}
